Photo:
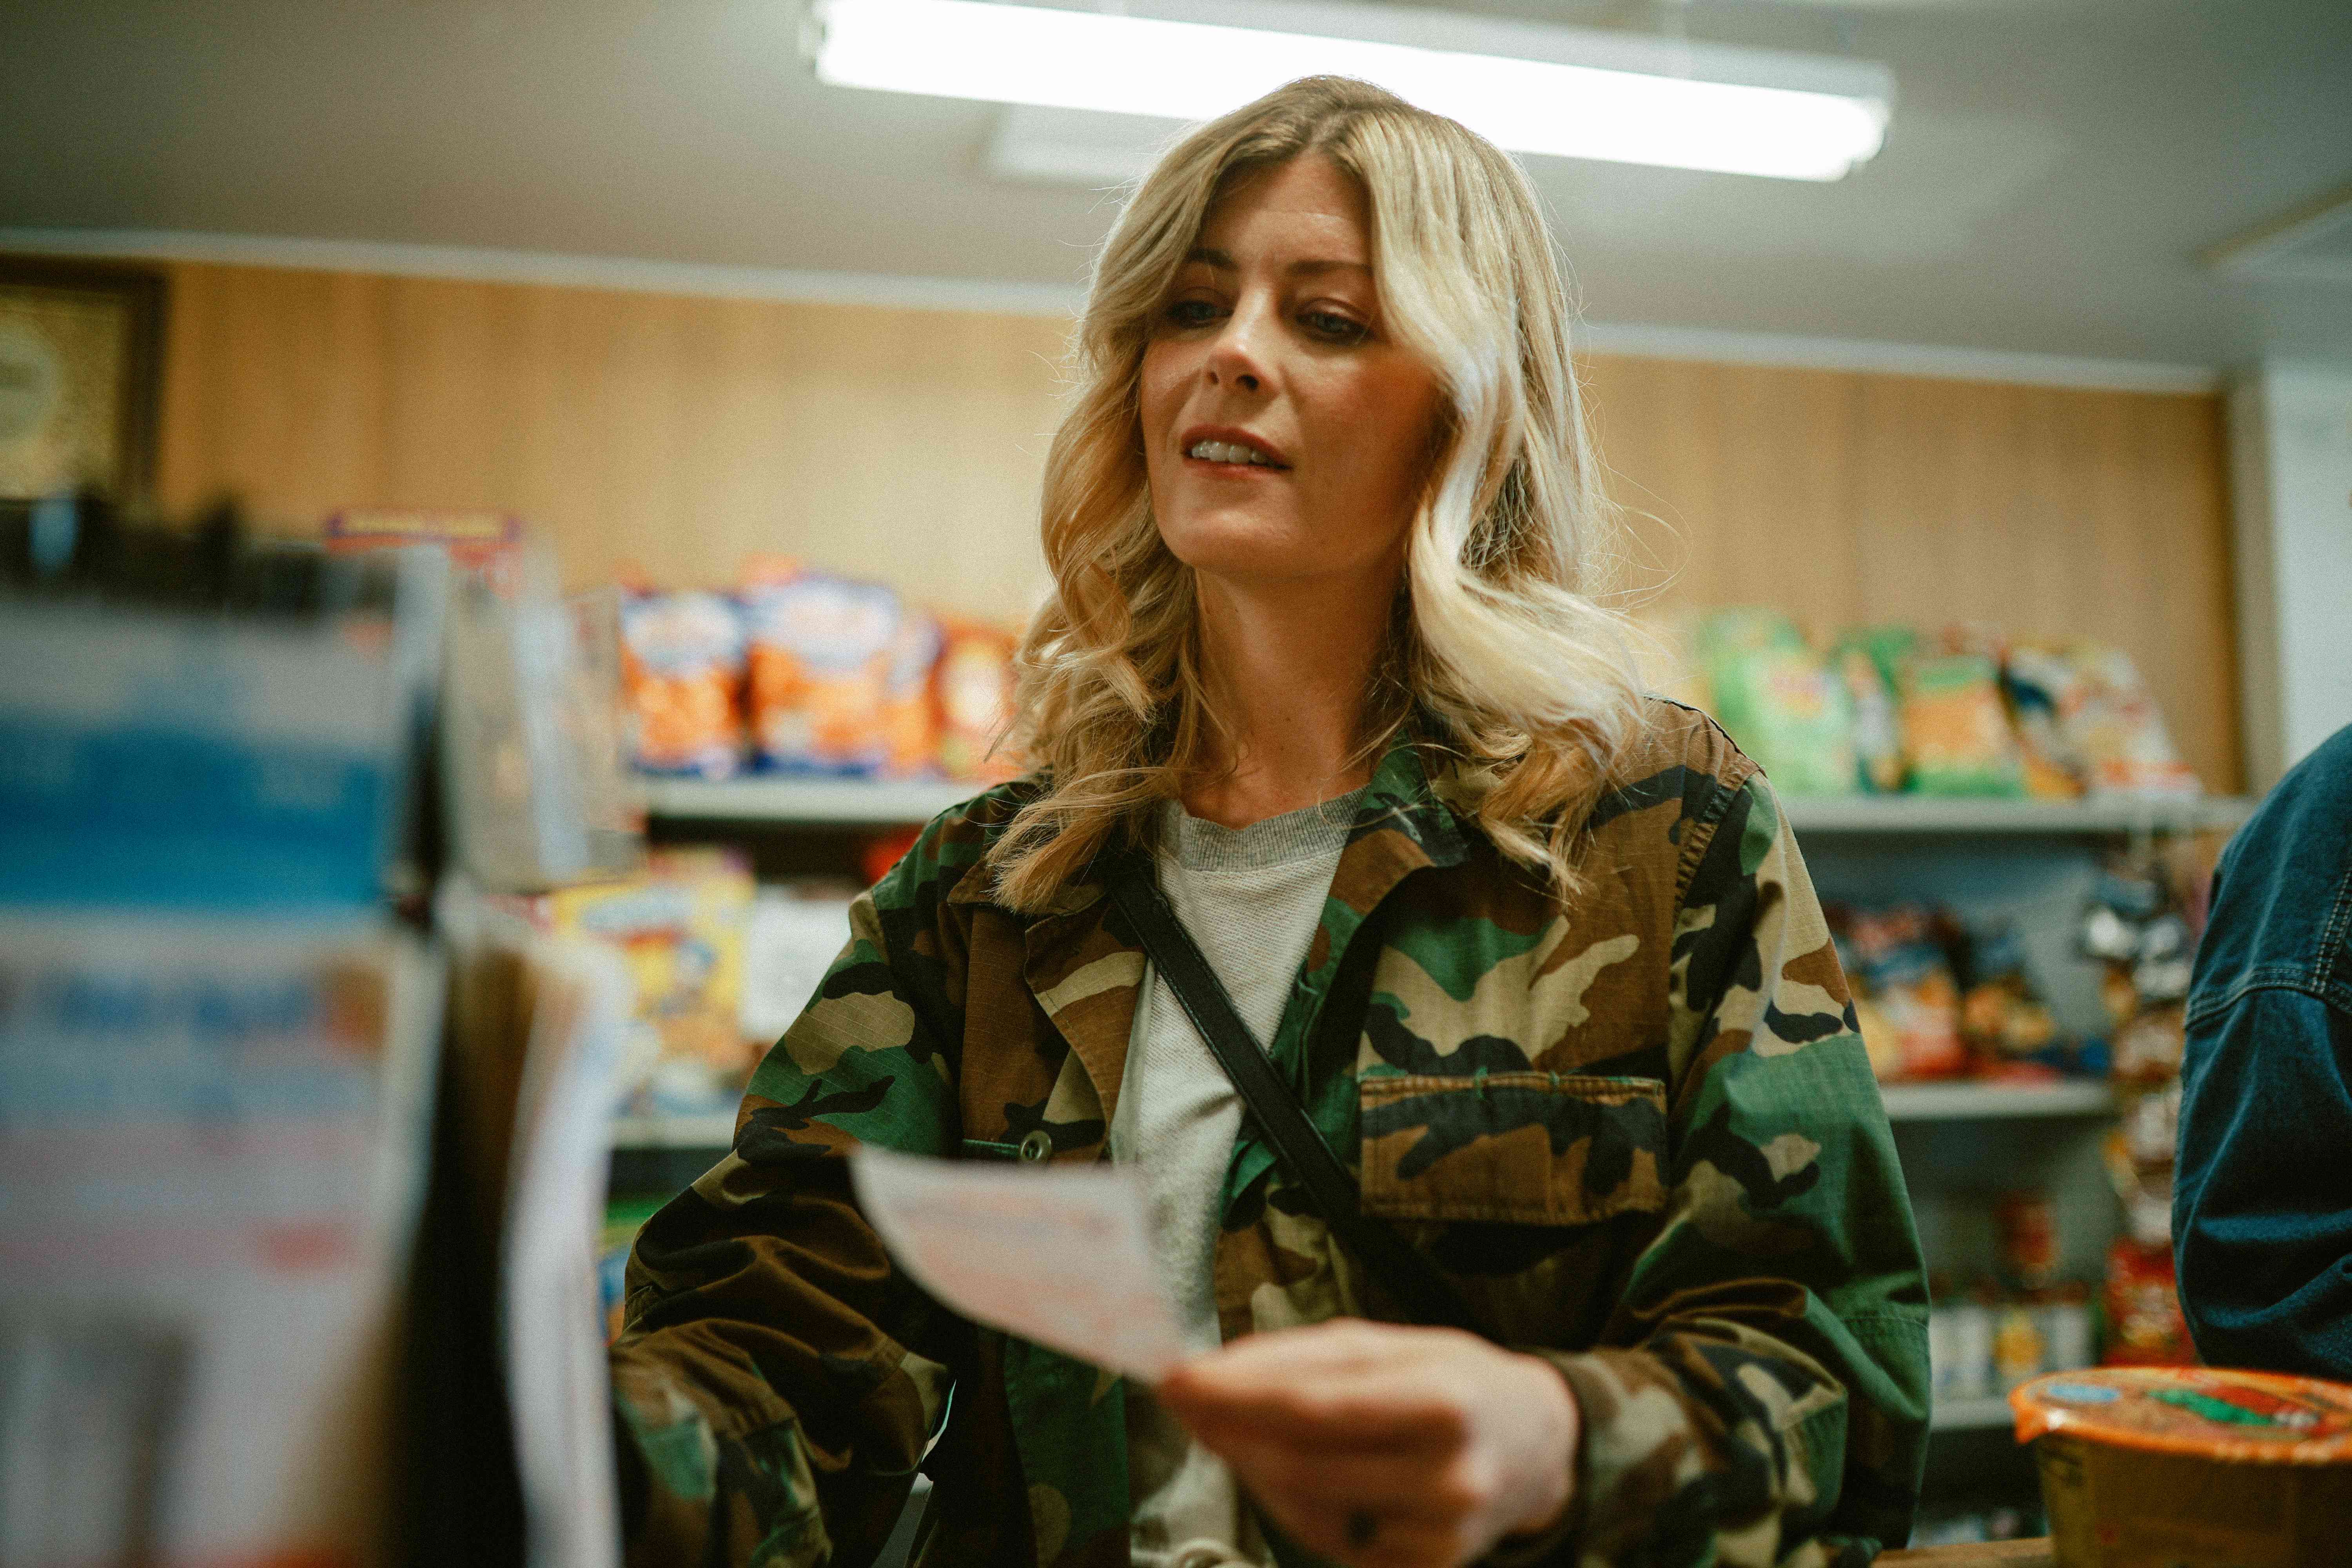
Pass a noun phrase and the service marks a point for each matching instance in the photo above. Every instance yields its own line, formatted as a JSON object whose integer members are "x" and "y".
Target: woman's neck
{"x": 1287, "y": 671}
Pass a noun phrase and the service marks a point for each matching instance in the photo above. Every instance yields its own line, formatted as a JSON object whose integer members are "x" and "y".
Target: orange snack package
{"x": 681, "y": 679}
{"x": 974, "y": 683}
{"x": 1955, "y": 728}
{"x": 839, "y": 673}
{"x": 909, "y": 717}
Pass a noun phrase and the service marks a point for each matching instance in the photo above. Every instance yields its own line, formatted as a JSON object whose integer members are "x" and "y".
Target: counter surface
{"x": 2034, "y": 1554}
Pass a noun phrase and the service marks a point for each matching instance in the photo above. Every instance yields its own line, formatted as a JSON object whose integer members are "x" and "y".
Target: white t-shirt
{"x": 1251, "y": 899}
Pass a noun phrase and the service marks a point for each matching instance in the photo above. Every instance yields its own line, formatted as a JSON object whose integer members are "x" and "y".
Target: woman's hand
{"x": 1382, "y": 1447}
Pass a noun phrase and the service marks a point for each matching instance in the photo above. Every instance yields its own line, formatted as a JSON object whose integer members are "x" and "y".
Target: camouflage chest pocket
{"x": 1533, "y": 1148}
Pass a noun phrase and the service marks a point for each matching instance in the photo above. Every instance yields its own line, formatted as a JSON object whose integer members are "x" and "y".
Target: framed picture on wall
{"x": 80, "y": 361}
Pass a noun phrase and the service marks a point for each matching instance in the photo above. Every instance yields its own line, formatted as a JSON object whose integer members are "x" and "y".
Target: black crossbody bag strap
{"x": 1426, "y": 1294}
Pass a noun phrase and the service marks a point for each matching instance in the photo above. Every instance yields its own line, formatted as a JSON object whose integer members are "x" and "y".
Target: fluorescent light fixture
{"x": 1076, "y": 146}
{"x": 1561, "y": 91}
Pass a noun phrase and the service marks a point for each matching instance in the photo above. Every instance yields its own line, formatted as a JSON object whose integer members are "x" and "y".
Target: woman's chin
{"x": 1245, "y": 549}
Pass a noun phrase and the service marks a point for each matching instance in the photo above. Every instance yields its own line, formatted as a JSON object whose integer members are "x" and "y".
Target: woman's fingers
{"x": 1380, "y": 1446}
{"x": 1383, "y": 1414}
{"x": 1415, "y": 1483}
{"x": 1324, "y": 1390}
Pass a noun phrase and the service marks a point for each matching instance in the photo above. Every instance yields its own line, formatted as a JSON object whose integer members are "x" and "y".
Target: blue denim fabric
{"x": 2262, "y": 1197}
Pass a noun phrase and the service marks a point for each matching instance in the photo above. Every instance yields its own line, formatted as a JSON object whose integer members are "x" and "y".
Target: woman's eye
{"x": 1332, "y": 327}
{"x": 1192, "y": 313}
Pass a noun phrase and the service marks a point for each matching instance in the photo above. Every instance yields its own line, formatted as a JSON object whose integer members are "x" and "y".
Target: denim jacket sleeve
{"x": 2263, "y": 1187}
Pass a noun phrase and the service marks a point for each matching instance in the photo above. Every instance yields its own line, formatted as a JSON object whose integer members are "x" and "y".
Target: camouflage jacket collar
{"x": 1084, "y": 970}
{"x": 1402, "y": 815}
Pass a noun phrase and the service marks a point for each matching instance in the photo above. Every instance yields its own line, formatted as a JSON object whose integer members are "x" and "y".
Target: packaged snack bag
{"x": 1879, "y": 1040}
{"x": 2144, "y": 1326}
{"x": 1778, "y": 701}
{"x": 1877, "y": 727}
{"x": 974, "y": 683}
{"x": 486, "y": 543}
{"x": 2002, "y": 1019}
{"x": 2025, "y": 1222}
{"x": 909, "y": 717}
{"x": 1955, "y": 728}
{"x": 2042, "y": 685}
{"x": 682, "y": 677}
{"x": 679, "y": 925}
{"x": 2113, "y": 726}
{"x": 2018, "y": 1351}
{"x": 822, "y": 653}
{"x": 1899, "y": 965}
{"x": 1889, "y": 647}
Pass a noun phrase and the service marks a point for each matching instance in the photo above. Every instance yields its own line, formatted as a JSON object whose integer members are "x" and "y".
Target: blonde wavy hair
{"x": 1504, "y": 656}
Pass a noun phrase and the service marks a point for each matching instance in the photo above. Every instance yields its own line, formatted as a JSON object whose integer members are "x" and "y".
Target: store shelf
{"x": 849, "y": 800}
{"x": 1905, "y": 1102}
{"x": 716, "y": 1131}
{"x": 2107, "y": 816}
{"x": 1977, "y": 1102}
{"x": 893, "y": 801}
{"x": 1971, "y": 1414}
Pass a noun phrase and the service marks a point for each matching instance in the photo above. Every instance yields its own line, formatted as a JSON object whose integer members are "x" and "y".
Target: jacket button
{"x": 1038, "y": 1145}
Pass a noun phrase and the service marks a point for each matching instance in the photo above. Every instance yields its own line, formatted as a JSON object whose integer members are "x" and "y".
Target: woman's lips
{"x": 1231, "y": 471}
{"x": 1229, "y": 446}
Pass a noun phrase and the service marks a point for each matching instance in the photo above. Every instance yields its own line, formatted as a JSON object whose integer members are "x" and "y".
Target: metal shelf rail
{"x": 1905, "y": 1102}
{"x": 791, "y": 800}
{"x": 1965, "y": 1101}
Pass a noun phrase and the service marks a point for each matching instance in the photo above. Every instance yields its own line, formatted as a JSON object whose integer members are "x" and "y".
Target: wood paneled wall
{"x": 683, "y": 434}
{"x": 679, "y": 434}
{"x": 1847, "y": 498}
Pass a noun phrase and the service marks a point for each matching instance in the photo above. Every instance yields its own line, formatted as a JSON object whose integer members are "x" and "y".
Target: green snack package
{"x": 1877, "y": 725}
{"x": 1780, "y": 701}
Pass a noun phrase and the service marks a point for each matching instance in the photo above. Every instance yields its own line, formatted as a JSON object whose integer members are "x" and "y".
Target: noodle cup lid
{"x": 2208, "y": 1413}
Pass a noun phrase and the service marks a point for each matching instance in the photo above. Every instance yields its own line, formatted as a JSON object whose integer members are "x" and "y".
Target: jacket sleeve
{"x": 776, "y": 1378}
{"x": 2262, "y": 1201}
{"x": 1759, "y": 1396}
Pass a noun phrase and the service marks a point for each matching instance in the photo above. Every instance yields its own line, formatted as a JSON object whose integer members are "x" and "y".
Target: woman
{"x": 1536, "y": 952}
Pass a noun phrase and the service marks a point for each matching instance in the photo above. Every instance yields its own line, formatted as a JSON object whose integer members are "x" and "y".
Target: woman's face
{"x": 1284, "y": 435}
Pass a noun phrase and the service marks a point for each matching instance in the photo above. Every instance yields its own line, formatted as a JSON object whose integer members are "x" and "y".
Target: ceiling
{"x": 2054, "y": 169}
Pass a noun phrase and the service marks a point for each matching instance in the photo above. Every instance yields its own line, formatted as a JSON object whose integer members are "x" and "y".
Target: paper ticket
{"x": 1059, "y": 1257}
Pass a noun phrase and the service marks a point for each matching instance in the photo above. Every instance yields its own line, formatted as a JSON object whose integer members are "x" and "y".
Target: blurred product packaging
{"x": 215, "y": 1047}
{"x": 682, "y": 658}
{"x": 1964, "y": 710}
{"x": 212, "y": 1135}
{"x": 227, "y": 1090}
{"x": 803, "y": 671}
{"x": 795, "y": 932}
{"x": 839, "y": 673}
{"x": 531, "y": 773}
{"x": 678, "y": 925}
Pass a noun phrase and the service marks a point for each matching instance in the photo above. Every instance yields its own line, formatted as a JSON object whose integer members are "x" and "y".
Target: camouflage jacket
{"x": 1638, "y": 1131}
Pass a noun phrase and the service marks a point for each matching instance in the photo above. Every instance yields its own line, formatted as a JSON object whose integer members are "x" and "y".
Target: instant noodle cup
{"x": 2192, "y": 1466}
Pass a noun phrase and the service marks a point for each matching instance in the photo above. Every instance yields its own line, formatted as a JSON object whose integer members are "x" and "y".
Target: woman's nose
{"x": 1237, "y": 357}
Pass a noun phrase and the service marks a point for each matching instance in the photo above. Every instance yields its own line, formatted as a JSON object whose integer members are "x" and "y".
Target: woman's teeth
{"x": 1229, "y": 452}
